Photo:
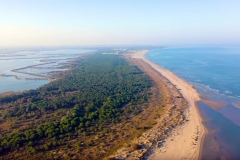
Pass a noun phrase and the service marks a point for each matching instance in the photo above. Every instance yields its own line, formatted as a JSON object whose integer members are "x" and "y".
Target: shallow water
{"x": 215, "y": 73}
{"x": 11, "y": 84}
{"x": 21, "y": 59}
{"x": 223, "y": 137}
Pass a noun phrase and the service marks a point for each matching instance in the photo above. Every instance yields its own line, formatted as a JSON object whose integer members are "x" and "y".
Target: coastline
{"x": 180, "y": 144}
{"x": 51, "y": 76}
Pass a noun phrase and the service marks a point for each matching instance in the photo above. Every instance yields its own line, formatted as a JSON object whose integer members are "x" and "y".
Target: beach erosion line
{"x": 187, "y": 143}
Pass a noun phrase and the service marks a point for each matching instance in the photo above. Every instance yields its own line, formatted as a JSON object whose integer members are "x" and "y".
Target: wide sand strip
{"x": 185, "y": 140}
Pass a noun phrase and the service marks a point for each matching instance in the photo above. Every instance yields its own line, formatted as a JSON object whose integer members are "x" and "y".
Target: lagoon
{"x": 42, "y": 62}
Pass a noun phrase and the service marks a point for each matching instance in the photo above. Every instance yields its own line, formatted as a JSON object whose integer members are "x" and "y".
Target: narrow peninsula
{"x": 110, "y": 106}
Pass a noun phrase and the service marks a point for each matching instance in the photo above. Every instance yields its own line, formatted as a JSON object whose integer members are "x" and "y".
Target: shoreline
{"x": 53, "y": 75}
{"x": 188, "y": 129}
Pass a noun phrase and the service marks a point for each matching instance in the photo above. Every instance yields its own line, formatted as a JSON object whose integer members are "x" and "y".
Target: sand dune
{"x": 184, "y": 141}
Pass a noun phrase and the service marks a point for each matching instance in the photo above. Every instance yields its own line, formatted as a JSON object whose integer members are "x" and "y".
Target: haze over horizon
{"x": 136, "y": 22}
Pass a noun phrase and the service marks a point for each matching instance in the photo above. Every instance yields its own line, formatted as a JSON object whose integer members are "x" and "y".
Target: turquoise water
{"x": 215, "y": 72}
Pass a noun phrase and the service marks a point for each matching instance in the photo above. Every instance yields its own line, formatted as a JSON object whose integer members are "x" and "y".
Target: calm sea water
{"x": 19, "y": 59}
{"x": 214, "y": 67}
{"x": 215, "y": 72}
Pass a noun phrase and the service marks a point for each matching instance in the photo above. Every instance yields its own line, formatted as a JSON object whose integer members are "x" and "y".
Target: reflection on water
{"x": 33, "y": 65}
{"x": 222, "y": 124}
{"x": 222, "y": 139}
{"x": 11, "y": 84}
{"x": 228, "y": 110}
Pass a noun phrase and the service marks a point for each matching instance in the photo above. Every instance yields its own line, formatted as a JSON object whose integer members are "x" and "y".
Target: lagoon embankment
{"x": 25, "y": 70}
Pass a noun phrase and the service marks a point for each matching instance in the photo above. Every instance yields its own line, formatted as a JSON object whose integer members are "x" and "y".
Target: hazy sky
{"x": 113, "y": 22}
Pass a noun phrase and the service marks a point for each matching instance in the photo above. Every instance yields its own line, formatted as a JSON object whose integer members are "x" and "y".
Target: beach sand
{"x": 184, "y": 142}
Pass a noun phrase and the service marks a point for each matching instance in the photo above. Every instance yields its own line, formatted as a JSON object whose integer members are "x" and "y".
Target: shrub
{"x": 135, "y": 146}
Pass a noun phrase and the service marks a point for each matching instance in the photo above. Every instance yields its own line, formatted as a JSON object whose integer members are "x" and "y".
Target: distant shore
{"x": 50, "y": 76}
{"x": 187, "y": 144}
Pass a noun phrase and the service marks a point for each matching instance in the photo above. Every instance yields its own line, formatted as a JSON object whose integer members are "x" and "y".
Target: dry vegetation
{"x": 131, "y": 137}
{"x": 165, "y": 111}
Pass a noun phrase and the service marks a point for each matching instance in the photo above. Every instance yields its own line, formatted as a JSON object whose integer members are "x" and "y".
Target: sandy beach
{"x": 184, "y": 142}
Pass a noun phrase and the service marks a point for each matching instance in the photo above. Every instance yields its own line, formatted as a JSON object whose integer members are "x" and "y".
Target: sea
{"x": 30, "y": 63}
{"x": 215, "y": 72}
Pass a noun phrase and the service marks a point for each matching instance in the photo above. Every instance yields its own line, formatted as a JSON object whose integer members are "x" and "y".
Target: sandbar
{"x": 185, "y": 141}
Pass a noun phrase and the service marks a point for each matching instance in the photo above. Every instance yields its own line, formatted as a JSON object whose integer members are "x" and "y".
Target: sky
{"x": 119, "y": 22}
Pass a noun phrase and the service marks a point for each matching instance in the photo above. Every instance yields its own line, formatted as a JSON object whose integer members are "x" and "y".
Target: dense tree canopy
{"x": 84, "y": 100}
